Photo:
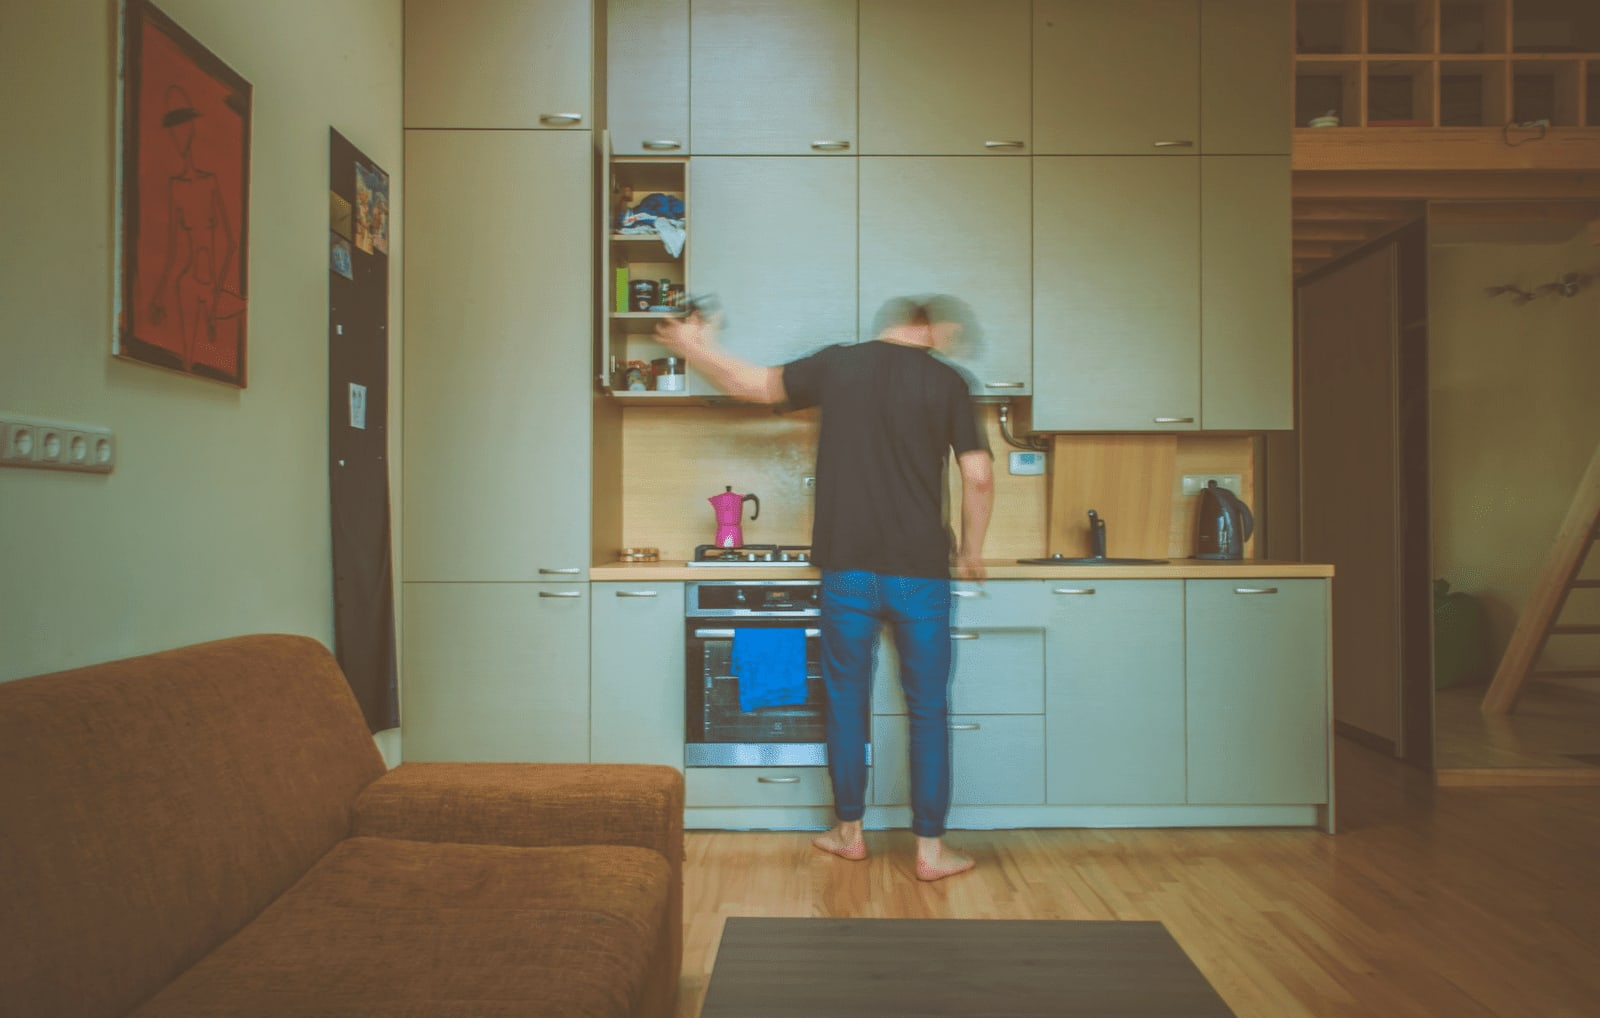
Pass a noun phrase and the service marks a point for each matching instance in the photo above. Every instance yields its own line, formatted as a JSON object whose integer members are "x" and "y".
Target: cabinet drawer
{"x": 757, "y": 786}
{"x": 994, "y": 760}
{"x": 993, "y": 671}
{"x": 1007, "y": 604}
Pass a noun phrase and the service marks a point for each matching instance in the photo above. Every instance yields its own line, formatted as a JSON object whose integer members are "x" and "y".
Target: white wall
{"x": 1514, "y": 398}
{"x": 215, "y": 521}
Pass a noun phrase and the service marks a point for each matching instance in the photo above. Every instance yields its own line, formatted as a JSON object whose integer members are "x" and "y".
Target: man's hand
{"x": 687, "y": 337}
{"x": 970, "y": 568}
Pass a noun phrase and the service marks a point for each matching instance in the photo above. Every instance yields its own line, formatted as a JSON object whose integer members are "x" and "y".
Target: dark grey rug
{"x": 886, "y": 968}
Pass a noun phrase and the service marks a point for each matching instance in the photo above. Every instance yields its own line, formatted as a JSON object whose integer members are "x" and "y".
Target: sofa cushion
{"x": 397, "y": 928}
{"x": 153, "y": 806}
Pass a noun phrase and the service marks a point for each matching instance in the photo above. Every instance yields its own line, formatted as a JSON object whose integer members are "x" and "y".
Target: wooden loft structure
{"x": 1491, "y": 106}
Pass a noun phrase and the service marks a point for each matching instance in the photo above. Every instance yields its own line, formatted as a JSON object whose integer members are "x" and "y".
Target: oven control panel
{"x": 752, "y": 598}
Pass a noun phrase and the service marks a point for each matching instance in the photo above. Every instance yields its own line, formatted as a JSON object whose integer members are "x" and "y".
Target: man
{"x": 891, "y": 413}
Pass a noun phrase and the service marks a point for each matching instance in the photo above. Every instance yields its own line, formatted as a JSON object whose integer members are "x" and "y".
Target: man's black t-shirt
{"x": 890, "y": 416}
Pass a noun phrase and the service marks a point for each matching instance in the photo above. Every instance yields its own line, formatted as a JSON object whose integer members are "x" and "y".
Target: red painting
{"x": 183, "y": 279}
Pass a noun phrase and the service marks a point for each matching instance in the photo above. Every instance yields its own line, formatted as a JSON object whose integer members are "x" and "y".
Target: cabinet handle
{"x": 1005, "y": 385}
{"x": 1174, "y": 420}
{"x": 830, "y": 146}
{"x": 968, "y": 727}
{"x": 560, "y": 119}
{"x": 560, "y": 593}
{"x": 1005, "y": 144}
{"x": 1255, "y": 590}
{"x": 636, "y": 593}
{"x": 968, "y": 593}
{"x": 964, "y": 636}
{"x": 727, "y": 634}
{"x": 779, "y": 781}
{"x": 663, "y": 145}
{"x": 1174, "y": 144}
{"x": 1073, "y": 590}
{"x": 572, "y": 571}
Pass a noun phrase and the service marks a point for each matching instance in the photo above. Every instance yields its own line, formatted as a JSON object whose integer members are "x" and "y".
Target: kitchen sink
{"x": 1091, "y": 560}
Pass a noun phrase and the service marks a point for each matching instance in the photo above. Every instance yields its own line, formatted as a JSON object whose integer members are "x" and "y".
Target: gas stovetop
{"x": 752, "y": 555}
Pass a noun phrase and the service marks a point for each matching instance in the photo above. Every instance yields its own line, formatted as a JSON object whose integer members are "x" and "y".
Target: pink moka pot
{"x": 729, "y": 507}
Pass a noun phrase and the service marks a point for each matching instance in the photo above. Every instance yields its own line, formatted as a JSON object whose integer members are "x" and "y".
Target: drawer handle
{"x": 1005, "y": 385}
{"x": 964, "y": 636}
{"x": 560, "y": 593}
{"x": 727, "y": 634}
{"x": 1005, "y": 144}
{"x": 560, "y": 572}
{"x": 779, "y": 781}
{"x": 662, "y": 146}
{"x": 1174, "y": 420}
{"x": 560, "y": 119}
{"x": 1174, "y": 144}
{"x": 970, "y": 726}
{"x": 1255, "y": 590}
{"x": 1073, "y": 590}
{"x": 636, "y": 593}
{"x": 830, "y": 146}
{"x": 968, "y": 593}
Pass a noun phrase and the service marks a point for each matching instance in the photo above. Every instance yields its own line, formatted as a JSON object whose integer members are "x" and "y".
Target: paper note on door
{"x": 358, "y": 406}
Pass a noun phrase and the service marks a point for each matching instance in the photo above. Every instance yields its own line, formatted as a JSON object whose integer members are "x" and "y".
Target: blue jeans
{"x": 855, "y": 605}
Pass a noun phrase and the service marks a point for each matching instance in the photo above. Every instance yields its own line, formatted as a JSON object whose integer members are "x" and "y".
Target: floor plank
{"x": 1431, "y": 901}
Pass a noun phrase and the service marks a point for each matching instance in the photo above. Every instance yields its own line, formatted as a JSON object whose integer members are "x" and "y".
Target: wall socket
{"x": 1193, "y": 484}
{"x": 55, "y": 445}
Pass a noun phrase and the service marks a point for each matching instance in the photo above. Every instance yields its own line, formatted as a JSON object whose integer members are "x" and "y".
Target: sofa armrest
{"x": 530, "y": 805}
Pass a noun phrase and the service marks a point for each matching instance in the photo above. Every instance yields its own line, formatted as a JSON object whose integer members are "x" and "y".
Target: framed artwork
{"x": 182, "y": 279}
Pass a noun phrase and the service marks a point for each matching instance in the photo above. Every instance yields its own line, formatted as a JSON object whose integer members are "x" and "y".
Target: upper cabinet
{"x": 1246, "y": 71}
{"x": 1161, "y": 77}
{"x": 772, "y": 77}
{"x": 925, "y": 229}
{"x": 499, "y": 64}
{"x": 647, "y": 76}
{"x": 945, "y": 77}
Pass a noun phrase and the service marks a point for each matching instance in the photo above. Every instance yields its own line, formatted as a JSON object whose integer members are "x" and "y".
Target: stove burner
{"x": 752, "y": 554}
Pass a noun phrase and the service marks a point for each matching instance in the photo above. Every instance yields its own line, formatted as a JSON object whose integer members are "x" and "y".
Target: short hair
{"x": 931, "y": 309}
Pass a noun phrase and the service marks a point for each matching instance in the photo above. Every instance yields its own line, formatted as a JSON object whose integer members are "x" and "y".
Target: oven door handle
{"x": 727, "y": 634}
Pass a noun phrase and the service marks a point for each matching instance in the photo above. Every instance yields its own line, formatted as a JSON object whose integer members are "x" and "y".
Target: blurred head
{"x": 938, "y": 320}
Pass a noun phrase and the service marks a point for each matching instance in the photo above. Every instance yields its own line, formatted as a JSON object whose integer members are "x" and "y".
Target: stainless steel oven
{"x": 717, "y": 732}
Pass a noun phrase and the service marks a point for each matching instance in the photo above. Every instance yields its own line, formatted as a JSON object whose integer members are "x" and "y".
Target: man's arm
{"x": 977, "y": 502}
{"x": 694, "y": 339}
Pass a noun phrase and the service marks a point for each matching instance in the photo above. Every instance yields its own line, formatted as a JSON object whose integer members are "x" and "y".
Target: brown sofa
{"x": 211, "y": 831}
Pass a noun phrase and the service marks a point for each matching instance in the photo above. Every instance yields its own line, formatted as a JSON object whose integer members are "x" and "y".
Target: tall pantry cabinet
{"x": 498, "y": 326}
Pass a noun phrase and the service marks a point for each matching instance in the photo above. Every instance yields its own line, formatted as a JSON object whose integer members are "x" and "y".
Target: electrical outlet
{"x": 1193, "y": 484}
{"x": 52, "y": 445}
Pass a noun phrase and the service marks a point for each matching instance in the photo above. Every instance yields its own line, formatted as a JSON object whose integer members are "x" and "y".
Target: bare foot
{"x": 935, "y": 861}
{"x": 843, "y": 842}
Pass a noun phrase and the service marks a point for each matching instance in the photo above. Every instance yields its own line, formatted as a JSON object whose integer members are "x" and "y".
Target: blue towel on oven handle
{"x": 771, "y": 666}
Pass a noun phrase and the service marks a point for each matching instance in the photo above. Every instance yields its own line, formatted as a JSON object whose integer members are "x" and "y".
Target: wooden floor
{"x": 1552, "y": 721}
{"x": 1431, "y": 902}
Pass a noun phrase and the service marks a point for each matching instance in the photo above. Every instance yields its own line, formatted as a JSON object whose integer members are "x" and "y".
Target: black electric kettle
{"x": 1222, "y": 525}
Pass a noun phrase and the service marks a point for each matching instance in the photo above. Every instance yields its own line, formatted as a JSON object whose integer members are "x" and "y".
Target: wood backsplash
{"x": 674, "y": 458}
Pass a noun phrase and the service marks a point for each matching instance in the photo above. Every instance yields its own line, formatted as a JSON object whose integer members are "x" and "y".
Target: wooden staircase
{"x": 1330, "y": 228}
{"x": 1539, "y": 620}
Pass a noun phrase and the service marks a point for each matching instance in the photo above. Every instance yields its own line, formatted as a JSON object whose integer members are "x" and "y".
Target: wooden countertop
{"x": 1001, "y": 569}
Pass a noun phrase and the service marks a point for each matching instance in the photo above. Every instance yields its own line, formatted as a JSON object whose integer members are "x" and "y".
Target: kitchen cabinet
{"x": 772, "y": 77}
{"x": 1256, "y": 655}
{"x": 1116, "y": 293}
{"x": 1114, "y": 692}
{"x": 498, "y": 321}
{"x": 495, "y": 671}
{"x": 627, "y": 333}
{"x": 959, "y": 226}
{"x": 757, "y": 786}
{"x": 647, "y": 76}
{"x": 997, "y": 703}
{"x": 775, "y": 240}
{"x": 1188, "y": 77}
{"x": 945, "y": 77}
{"x": 1246, "y": 294}
{"x": 636, "y": 673}
{"x": 498, "y": 64}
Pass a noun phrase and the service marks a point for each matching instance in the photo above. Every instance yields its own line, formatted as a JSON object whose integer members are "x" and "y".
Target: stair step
{"x": 1566, "y": 673}
{"x": 1573, "y": 630}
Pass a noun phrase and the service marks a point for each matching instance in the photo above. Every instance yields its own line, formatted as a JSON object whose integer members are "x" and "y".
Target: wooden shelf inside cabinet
{"x": 640, "y": 321}
{"x": 634, "y": 259}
